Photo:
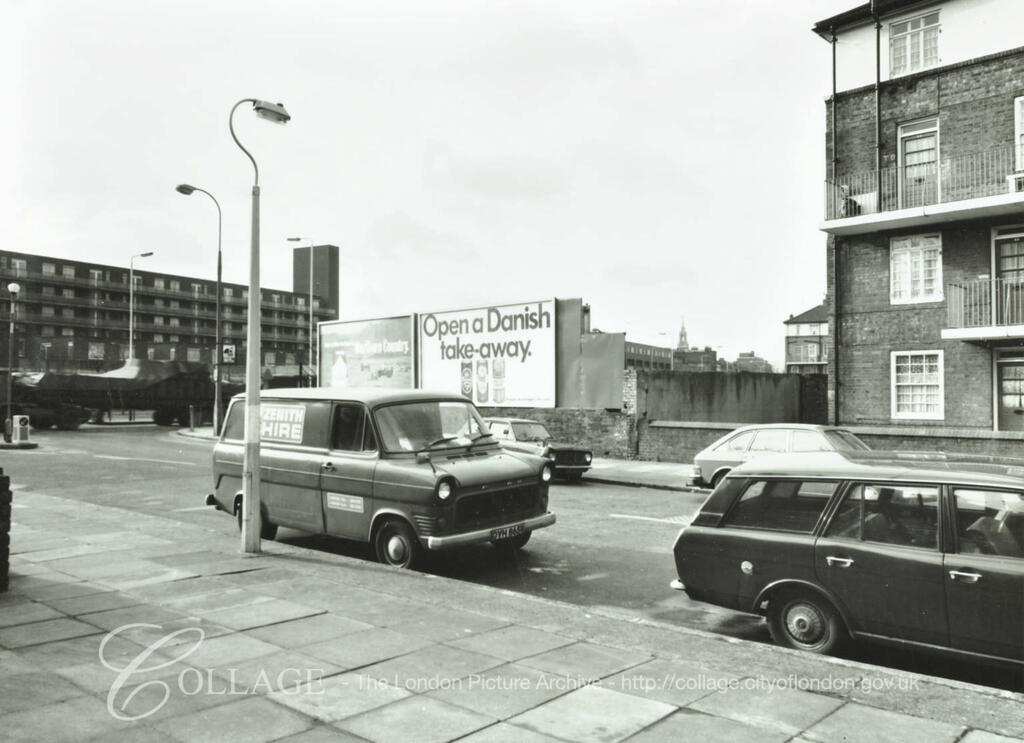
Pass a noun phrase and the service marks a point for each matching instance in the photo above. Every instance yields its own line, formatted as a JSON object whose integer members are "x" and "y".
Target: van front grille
{"x": 492, "y": 509}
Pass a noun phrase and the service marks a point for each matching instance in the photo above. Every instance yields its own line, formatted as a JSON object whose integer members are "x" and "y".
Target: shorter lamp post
{"x": 13, "y": 289}
{"x": 187, "y": 190}
{"x": 131, "y": 302}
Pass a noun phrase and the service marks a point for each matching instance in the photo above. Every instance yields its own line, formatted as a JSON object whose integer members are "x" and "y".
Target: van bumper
{"x": 484, "y": 535}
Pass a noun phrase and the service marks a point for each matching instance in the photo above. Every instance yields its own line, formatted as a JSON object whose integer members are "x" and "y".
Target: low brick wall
{"x": 5, "y": 530}
{"x": 952, "y": 440}
{"x": 608, "y": 433}
{"x": 678, "y": 441}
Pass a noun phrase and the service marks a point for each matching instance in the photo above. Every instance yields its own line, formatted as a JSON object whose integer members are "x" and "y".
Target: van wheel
{"x": 805, "y": 621}
{"x": 395, "y": 544}
{"x": 267, "y": 530}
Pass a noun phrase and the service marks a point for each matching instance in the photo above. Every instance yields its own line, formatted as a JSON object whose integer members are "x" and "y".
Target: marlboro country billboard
{"x": 367, "y": 353}
{"x": 501, "y": 356}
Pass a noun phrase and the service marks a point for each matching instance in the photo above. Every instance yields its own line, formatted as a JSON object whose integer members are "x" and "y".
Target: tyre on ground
{"x": 395, "y": 543}
{"x": 805, "y": 620}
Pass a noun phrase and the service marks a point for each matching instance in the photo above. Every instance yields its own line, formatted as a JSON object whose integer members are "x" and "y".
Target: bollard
{"x": 5, "y": 530}
{"x": 191, "y": 417}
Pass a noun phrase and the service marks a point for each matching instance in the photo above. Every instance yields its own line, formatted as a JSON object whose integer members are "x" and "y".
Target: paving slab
{"x": 69, "y": 721}
{"x": 253, "y": 720}
{"x": 21, "y": 691}
{"x": 429, "y": 667}
{"x": 670, "y": 681}
{"x": 365, "y": 648}
{"x": 686, "y": 725}
{"x": 505, "y": 691}
{"x": 20, "y": 610}
{"x": 38, "y": 633}
{"x": 93, "y": 602}
{"x": 222, "y": 651}
{"x": 586, "y": 660}
{"x": 338, "y": 697}
{"x": 286, "y": 670}
{"x": 447, "y": 625}
{"x": 308, "y": 630}
{"x": 417, "y": 718}
{"x": 322, "y": 734}
{"x": 786, "y": 710}
{"x": 260, "y": 614}
{"x": 511, "y": 642}
{"x": 504, "y": 733}
{"x": 593, "y": 713}
{"x": 856, "y": 723}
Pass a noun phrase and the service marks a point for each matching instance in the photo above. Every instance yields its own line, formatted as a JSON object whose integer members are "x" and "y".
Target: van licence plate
{"x": 507, "y": 532}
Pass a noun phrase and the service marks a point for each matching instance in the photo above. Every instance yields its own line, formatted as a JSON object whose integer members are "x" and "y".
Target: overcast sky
{"x": 661, "y": 160}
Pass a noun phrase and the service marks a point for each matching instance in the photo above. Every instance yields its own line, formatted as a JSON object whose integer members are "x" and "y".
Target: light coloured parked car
{"x": 750, "y": 442}
{"x": 532, "y": 437}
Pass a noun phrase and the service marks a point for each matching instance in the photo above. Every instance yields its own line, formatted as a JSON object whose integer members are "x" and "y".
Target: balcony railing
{"x": 985, "y": 303}
{"x": 973, "y": 176}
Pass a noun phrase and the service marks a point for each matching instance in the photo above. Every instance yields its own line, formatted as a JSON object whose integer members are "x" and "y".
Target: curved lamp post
{"x": 311, "y": 367}
{"x": 218, "y": 351}
{"x": 276, "y": 113}
{"x": 131, "y": 302}
{"x": 13, "y": 288}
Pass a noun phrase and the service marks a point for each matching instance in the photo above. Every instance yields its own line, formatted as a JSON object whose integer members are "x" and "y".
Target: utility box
{"x": 19, "y": 433}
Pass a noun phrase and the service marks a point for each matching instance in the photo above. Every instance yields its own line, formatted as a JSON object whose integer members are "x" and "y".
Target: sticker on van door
{"x": 341, "y": 502}
{"x": 282, "y": 422}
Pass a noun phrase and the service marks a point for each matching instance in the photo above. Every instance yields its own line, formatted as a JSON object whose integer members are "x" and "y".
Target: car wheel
{"x": 267, "y": 530}
{"x": 718, "y": 477}
{"x": 805, "y": 621}
{"x": 395, "y": 544}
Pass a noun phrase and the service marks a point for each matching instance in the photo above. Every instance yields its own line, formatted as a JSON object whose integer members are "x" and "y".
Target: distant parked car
{"x": 918, "y": 549}
{"x": 751, "y": 442}
{"x": 531, "y": 437}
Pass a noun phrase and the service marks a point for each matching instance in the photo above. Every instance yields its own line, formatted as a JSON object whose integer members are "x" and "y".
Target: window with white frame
{"x": 915, "y": 269}
{"x": 918, "y": 389}
{"x": 914, "y": 44}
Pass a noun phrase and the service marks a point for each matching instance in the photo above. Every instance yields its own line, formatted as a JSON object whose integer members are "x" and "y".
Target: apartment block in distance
{"x": 73, "y": 316}
{"x": 924, "y": 212}
{"x": 807, "y": 342}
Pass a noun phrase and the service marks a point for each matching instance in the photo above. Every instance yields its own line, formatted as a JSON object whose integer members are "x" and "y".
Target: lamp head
{"x": 145, "y": 255}
{"x": 294, "y": 239}
{"x": 185, "y": 189}
{"x": 13, "y": 288}
{"x": 274, "y": 112}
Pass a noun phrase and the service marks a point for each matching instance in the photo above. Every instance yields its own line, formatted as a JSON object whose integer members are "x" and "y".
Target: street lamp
{"x": 13, "y": 288}
{"x": 251, "y": 458}
{"x": 188, "y": 190}
{"x": 311, "y": 367}
{"x": 131, "y": 302}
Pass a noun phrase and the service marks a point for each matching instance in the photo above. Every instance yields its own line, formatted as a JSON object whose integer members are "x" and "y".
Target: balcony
{"x": 982, "y": 184}
{"x": 985, "y": 310}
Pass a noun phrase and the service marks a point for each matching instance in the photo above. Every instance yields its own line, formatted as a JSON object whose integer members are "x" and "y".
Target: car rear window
{"x": 781, "y": 505}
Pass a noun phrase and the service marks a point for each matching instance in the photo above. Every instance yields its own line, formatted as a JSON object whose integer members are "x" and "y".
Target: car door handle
{"x": 964, "y": 576}
{"x": 838, "y": 562}
{"x": 327, "y": 467}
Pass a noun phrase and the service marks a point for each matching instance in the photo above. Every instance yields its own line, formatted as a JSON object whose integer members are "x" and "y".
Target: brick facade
{"x": 973, "y": 103}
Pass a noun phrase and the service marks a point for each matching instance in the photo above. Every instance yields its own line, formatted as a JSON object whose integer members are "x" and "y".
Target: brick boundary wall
{"x": 5, "y": 530}
{"x": 679, "y": 441}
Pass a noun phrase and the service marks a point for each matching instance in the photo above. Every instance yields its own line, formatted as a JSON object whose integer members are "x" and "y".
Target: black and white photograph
{"x": 508, "y": 371}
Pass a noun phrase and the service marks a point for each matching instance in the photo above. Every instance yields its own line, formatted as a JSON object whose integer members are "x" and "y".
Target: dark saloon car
{"x": 405, "y": 470}
{"x": 766, "y": 439}
{"x": 521, "y": 434}
{"x": 923, "y": 550}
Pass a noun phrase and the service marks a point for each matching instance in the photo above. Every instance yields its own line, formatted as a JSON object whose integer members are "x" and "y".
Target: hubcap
{"x": 805, "y": 624}
{"x": 396, "y": 549}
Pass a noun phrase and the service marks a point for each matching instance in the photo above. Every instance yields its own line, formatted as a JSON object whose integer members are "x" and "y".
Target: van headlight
{"x": 545, "y": 473}
{"x": 444, "y": 489}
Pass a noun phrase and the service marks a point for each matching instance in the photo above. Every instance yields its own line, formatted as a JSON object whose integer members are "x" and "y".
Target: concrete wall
{"x": 730, "y": 397}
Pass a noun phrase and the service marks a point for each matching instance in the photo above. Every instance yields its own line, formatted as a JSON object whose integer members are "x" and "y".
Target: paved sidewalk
{"x": 302, "y": 646}
{"x": 661, "y": 475}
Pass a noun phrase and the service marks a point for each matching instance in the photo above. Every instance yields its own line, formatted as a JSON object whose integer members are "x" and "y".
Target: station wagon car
{"x": 405, "y": 470}
{"x": 521, "y": 434}
{"x": 750, "y": 442}
{"x": 923, "y": 550}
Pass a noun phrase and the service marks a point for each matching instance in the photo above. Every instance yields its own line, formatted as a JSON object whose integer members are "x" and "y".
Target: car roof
{"x": 371, "y": 396}
{"x": 964, "y": 469}
{"x": 797, "y": 426}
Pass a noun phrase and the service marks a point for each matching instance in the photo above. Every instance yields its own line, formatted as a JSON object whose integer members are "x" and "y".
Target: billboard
{"x": 367, "y": 353}
{"x": 502, "y": 356}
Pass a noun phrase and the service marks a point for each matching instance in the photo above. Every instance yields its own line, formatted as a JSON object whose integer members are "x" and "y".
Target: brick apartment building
{"x": 925, "y": 219}
{"x": 73, "y": 315}
{"x": 807, "y": 343}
